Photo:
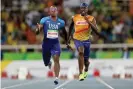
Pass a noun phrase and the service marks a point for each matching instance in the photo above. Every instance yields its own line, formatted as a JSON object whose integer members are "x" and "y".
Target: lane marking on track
{"x": 61, "y": 85}
{"x": 23, "y": 84}
{"x": 104, "y": 83}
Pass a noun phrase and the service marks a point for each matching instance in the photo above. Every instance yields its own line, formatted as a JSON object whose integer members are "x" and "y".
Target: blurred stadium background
{"x": 20, "y": 47}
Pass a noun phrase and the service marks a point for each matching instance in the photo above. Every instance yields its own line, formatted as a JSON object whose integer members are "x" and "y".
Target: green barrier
{"x": 31, "y": 56}
{"x": 64, "y": 55}
{"x": 131, "y": 54}
{"x": 108, "y": 54}
{"x": 93, "y": 54}
{"x": 34, "y": 56}
{"x": 22, "y": 56}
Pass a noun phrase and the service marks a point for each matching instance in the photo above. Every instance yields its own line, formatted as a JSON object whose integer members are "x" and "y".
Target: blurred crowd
{"x": 19, "y": 19}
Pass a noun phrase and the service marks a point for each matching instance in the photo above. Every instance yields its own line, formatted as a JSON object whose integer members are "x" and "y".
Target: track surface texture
{"x": 88, "y": 83}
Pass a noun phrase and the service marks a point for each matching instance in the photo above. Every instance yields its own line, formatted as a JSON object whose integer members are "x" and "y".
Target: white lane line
{"x": 104, "y": 83}
{"x": 22, "y": 84}
{"x": 63, "y": 84}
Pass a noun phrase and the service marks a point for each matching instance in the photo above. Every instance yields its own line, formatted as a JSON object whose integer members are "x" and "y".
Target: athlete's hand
{"x": 69, "y": 47}
{"x": 37, "y": 29}
{"x": 85, "y": 17}
{"x": 38, "y": 25}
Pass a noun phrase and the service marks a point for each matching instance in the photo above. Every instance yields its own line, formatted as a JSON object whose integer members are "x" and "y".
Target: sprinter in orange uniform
{"x": 83, "y": 24}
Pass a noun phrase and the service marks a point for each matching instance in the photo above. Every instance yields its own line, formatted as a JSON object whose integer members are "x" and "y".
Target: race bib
{"x": 52, "y": 34}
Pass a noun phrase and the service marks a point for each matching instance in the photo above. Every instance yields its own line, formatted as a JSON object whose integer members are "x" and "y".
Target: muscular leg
{"x": 56, "y": 65}
{"x": 81, "y": 59}
{"x": 86, "y": 55}
{"x": 56, "y": 50}
{"x": 86, "y": 64}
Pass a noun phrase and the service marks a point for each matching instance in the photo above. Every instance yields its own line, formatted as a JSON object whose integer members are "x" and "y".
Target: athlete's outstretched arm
{"x": 63, "y": 33}
{"x": 70, "y": 31}
{"x": 94, "y": 27}
{"x": 39, "y": 28}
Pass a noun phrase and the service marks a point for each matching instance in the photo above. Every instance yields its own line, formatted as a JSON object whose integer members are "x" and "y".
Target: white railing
{"x": 11, "y": 47}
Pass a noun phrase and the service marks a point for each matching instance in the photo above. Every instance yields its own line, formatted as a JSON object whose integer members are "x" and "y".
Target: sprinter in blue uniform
{"x": 52, "y": 26}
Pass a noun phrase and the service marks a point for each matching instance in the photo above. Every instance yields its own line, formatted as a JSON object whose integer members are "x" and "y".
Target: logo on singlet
{"x": 81, "y": 23}
{"x": 53, "y": 26}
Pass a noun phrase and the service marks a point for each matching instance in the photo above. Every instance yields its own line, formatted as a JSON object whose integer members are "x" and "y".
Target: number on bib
{"x": 52, "y": 34}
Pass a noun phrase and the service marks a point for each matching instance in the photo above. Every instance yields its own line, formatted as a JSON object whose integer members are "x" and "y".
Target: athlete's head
{"x": 53, "y": 11}
{"x": 83, "y": 8}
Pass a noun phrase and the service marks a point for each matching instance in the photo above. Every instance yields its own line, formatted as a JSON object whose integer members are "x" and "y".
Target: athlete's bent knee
{"x": 81, "y": 53}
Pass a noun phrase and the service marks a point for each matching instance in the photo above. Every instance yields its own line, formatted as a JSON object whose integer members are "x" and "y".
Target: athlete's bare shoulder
{"x": 90, "y": 16}
{"x": 76, "y": 15}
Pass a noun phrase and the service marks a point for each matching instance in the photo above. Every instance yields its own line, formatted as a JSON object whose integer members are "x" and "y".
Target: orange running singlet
{"x": 82, "y": 28}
